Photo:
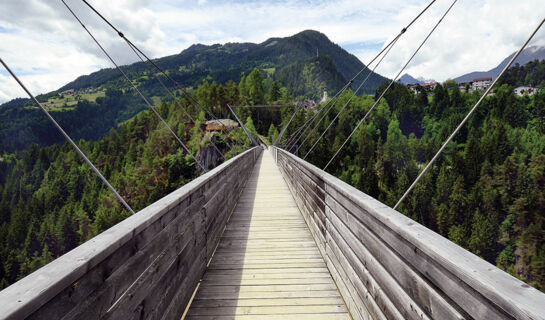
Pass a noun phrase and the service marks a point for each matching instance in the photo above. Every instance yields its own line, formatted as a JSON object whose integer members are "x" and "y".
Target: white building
{"x": 463, "y": 85}
{"x": 325, "y": 97}
{"x": 430, "y": 86}
{"x": 524, "y": 90}
{"x": 481, "y": 84}
{"x": 414, "y": 87}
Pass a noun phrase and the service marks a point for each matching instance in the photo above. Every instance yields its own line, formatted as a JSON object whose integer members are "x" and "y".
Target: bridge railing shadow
{"x": 219, "y": 292}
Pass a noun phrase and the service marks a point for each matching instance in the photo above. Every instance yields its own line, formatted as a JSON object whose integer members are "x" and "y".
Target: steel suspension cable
{"x": 297, "y": 133}
{"x": 351, "y": 97}
{"x": 338, "y": 97}
{"x": 67, "y": 137}
{"x": 384, "y": 49}
{"x": 122, "y": 35}
{"x": 300, "y": 131}
{"x": 250, "y": 136}
{"x": 133, "y": 86}
{"x": 390, "y": 85}
{"x": 176, "y": 101}
{"x": 428, "y": 166}
{"x": 297, "y": 109}
{"x": 313, "y": 128}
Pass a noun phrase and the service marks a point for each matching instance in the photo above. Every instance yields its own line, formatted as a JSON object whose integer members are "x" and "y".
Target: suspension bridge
{"x": 267, "y": 235}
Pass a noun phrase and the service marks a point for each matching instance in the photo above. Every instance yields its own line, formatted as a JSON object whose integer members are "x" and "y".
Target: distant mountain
{"x": 229, "y": 61}
{"x": 408, "y": 79}
{"x": 527, "y": 55}
{"x": 293, "y": 61}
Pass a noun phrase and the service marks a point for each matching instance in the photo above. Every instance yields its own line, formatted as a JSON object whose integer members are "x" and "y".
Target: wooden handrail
{"x": 389, "y": 266}
{"x": 149, "y": 264}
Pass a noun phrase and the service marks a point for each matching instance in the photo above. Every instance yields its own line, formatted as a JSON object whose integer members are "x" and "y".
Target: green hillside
{"x": 104, "y": 99}
{"x": 51, "y": 201}
{"x": 485, "y": 192}
{"x": 228, "y": 62}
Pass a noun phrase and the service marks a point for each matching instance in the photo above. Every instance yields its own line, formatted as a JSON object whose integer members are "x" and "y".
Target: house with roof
{"x": 415, "y": 87}
{"x": 481, "y": 84}
{"x": 220, "y": 125}
{"x": 430, "y": 86}
{"x": 525, "y": 90}
{"x": 465, "y": 86}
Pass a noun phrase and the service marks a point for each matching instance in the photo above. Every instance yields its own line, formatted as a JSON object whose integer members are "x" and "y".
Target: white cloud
{"x": 44, "y": 42}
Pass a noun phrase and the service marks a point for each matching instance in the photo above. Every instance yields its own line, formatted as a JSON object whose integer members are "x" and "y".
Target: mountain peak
{"x": 408, "y": 79}
{"x": 310, "y": 33}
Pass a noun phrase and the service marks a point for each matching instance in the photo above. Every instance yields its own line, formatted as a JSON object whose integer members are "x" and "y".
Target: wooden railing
{"x": 145, "y": 267}
{"x": 387, "y": 266}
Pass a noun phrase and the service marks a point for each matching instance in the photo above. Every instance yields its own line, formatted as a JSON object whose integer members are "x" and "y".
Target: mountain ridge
{"x": 223, "y": 62}
{"x": 291, "y": 60}
{"x": 408, "y": 79}
{"x": 527, "y": 55}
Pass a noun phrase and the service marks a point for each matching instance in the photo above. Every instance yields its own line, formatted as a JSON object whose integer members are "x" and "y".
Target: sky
{"x": 46, "y": 47}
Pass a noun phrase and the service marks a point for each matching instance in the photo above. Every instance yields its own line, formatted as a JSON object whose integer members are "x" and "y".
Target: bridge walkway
{"x": 267, "y": 265}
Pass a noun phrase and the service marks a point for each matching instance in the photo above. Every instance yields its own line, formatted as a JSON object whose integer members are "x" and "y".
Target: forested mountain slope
{"x": 485, "y": 193}
{"x": 21, "y": 123}
{"x": 50, "y": 201}
{"x": 292, "y": 61}
{"x": 221, "y": 63}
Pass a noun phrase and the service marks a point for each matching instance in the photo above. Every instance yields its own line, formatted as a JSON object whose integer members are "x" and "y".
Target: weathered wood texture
{"x": 389, "y": 267}
{"x": 145, "y": 267}
{"x": 267, "y": 266}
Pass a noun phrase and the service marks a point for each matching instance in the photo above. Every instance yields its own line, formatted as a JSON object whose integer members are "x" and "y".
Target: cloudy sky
{"x": 45, "y": 46}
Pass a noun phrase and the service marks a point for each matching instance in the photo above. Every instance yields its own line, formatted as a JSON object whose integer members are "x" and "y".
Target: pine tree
{"x": 274, "y": 92}
{"x": 254, "y": 87}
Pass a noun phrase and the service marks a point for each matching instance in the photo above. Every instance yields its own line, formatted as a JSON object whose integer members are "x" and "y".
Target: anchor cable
{"x": 390, "y": 85}
{"x": 67, "y": 137}
{"x": 428, "y": 166}
{"x": 384, "y": 49}
{"x": 349, "y": 100}
{"x": 133, "y": 86}
{"x": 131, "y": 44}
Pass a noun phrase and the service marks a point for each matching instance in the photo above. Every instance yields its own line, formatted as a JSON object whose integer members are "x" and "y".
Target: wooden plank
{"x": 257, "y": 276}
{"x": 236, "y": 281}
{"x": 412, "y": 282}
{"x": 268, "y": 310}
{"x": 114, "y": 286}
{"x": 239, "y": 258}
{"x": 316, "y": 316}
{"x": 137, "y": 292}
{"x": 180, "y": 280}
{"x": 363, "y": 284}
{"x": 197, "y": 303}
{"x": 408, "y": 308}
{"x": 267, "y": 259}
{"x": 267, "y": 271}
{"x": 178, "y": 304}
{"x": 222, "y": 295}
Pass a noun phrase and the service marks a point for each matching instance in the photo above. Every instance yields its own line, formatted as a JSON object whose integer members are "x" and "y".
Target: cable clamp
{"x": 403, "y": 31}
{"x": 121, "y": 34}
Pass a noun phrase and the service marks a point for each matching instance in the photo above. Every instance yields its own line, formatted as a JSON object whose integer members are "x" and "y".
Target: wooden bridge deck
{"x": 267, "y": 265}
